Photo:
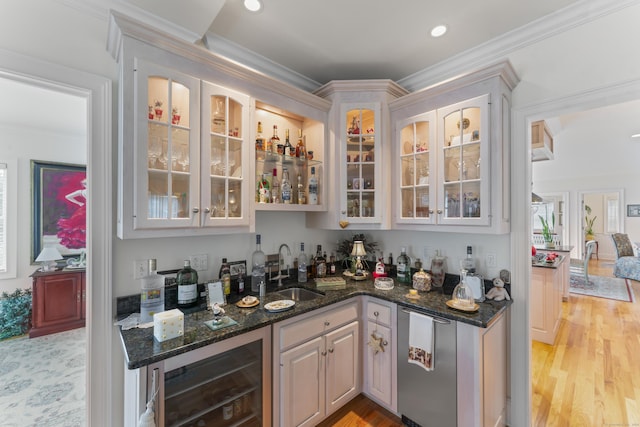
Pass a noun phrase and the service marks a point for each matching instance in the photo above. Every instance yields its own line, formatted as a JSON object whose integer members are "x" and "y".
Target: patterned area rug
{"x": 602, "y": 287}
{"x": 42, "y": 380}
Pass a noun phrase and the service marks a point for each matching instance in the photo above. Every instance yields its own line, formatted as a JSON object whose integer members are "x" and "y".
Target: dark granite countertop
{"x": 141, "y": 349}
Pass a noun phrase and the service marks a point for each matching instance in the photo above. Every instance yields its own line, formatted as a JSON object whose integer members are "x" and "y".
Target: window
{"x": 544, "y": 210}
{"x": 613, "y": 217}
{"x": 8, "y": 218}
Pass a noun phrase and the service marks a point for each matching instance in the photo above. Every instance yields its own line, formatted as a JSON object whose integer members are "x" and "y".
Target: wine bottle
{"x": 152, "y": 293}
{"x": 321, "y": 263}
{"x": 302, "y": 265}
{"x": 289, "y": 150}
{"x": 403, "y": 269}
{"x": 264, "y": 189}
{"x": 259, "y": 138}
{"x": 257, "y": 269}
{"x": 275, "y": 187}
{"x": 225, "y": 276}
{"x": 301, "y": 150}
{"x": 187, "y": 280}
{"x": 469, "y": 263}
{"x": 285, "y": 187}
{"x": 313, "y": 187}
{"x": 275, "y": 140}
{"x": 302, "y": 196}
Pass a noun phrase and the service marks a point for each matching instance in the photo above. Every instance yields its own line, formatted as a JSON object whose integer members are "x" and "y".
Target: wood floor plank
{"x": 591, "y": 376}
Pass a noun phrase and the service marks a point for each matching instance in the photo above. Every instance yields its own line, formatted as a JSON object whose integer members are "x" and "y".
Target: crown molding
{"x": 387, "y": 86}
{"x": 500, "y": 47}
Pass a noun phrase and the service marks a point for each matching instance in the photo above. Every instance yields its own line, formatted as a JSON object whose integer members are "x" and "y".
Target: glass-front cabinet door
{"x": 418, "y": 148}
{"x": 224, "y": 156}
{"x": 362, "y": 177}
{"x": 166, "y": 162}
{"x": 463, "y": 156}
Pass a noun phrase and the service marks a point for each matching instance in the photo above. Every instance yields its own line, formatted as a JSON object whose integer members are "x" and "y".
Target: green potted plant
{"x": 588, "y": 224}
{"x": 547, "y": 230}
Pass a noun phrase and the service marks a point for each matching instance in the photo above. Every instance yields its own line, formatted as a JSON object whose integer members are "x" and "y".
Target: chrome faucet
{"x": 280, "y": 276}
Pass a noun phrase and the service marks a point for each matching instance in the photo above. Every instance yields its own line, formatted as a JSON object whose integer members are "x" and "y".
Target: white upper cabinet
{"x": 451, "y": 154}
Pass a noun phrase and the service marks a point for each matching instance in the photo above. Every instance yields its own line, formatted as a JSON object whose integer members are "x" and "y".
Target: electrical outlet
{"x": 140, "y": 268}
{"x": 491, "y": 260}
{"x": 199, "y": 262}
{"x": 426, "y": 252}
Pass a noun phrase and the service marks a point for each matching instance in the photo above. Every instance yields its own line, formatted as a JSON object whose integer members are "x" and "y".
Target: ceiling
{"x": 370, "y": 39}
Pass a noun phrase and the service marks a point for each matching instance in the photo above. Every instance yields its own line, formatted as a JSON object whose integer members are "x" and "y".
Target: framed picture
{"x": 633, "y": 210}
{"x": 58, "y": 208}
{"x": 238, "y": 268}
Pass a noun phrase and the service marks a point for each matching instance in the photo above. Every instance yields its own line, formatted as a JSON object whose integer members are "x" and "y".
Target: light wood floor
{"x": 362, "y": 412}
{"x": 591, "y": 376}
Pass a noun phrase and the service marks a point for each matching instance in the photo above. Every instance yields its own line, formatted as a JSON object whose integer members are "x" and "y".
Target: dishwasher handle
{"x": 435, "y": 319}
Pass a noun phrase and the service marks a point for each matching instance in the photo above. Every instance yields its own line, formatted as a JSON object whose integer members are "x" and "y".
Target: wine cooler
{"x": 224, "y": 384}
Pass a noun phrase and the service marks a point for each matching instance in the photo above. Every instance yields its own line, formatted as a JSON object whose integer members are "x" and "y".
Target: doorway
{"x": 96, "y": 91}
{"x": 602, "y": 215}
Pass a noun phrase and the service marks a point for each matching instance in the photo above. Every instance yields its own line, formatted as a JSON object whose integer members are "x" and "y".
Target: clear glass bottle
{"x": 302, "y": 195}
{"x": 225, "y": 276}
{"x": 264, "y": 189}
{"x": 302, "y": 265}
{"x": 301, "y": 150}
{"x": 187, "y": 286}
{"x": 288, "y": 148}
{"x": 260, "y": 139}
{"x": 403, "y": 269}
{"x": 152, "y": 293}
{"x": 275, "y": 187}
{"x": 469, "y": 263}
{"x": 438, "y": 269}
{"x": 257, "y": 267}
{"x": 321, "y": 263}
{"x": 275, "y": 139}
{"x": 313, "y": 187}
{"x": 462, "y": 296}
{"x": 285, "y": 187}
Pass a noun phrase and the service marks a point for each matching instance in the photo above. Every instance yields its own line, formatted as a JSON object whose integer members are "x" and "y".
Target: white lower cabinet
{"x": 379, "y": 382}
{"x": 317, "y": 364}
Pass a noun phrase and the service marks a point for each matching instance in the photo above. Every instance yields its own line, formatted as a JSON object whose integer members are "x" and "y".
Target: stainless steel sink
{"x": 298, "y": 294}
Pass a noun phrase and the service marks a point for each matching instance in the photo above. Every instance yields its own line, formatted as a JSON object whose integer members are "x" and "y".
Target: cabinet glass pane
{"x": 422, "y": 202}
{"x": 422, "y": 142}
{"x": 218, "y": 156}
{"x": 223, "y": 390}
{"x": 180, "y": 193}
{"x": 235, "y": 119}
{"x": 180, "y": 151}
{"x": 160, "y": 204}
{"x": 218, "y": 200}
{"x": 422, "y": 168}
{"x": 218, "y": 115}
{"x": 360, "y": 144}
{"x": 462, "y": 172}
{"x": 407, "y": 171}
{"x": 158, "y": 98}
{"x": 367, "y": 205}
{"x": 235, "y": 199}
{"x": 179, "y": 104}
{"x": 235, "y": 158}
{"x": 407, "y": 202}
{"x": 414, "y": 164}
{"x": 158, "y": 145}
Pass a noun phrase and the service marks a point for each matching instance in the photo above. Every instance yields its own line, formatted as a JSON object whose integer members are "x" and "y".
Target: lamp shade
{"x": 358, "y": 248}
{"x": 49, "y": 254}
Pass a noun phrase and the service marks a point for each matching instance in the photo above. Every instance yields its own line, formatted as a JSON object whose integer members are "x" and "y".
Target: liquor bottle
{"x": 302, "y": 196}
{"x": 332, "y": 264}
{"x": 275, "y": 140}
{"x": 312, "y": 267}
{"x": 301, "y": 150}
{"x": 321, "y": 263}
{"x": 302, "y": 265}
{"x": 187, "y": 286}
{"x": 240, "y": 284}
{"x": 469, "y": 263}
{"x": 275, "y": 187}
{"x": 403, "y": 269}
{"x": 225, "y": 276}
{"x": 257, "y": 269}
{"x": 313, "y": 187}
{"x": 288, "y": 148}
{"x": 264, "y": 189}
{"x": 260, "y": 139}
{"x": 152, "y": 293}
{"x": 285, "y": 187}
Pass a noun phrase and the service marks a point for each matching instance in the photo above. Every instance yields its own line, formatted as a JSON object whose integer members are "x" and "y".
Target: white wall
{"x": 26, "y": 144}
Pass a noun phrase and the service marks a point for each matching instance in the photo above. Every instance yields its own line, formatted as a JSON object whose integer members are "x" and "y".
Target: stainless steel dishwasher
{"x": 428, "y": 398}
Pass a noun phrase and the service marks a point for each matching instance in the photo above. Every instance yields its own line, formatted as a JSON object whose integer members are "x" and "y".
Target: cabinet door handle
{"x": 327, "y": 323}
{"x": 207, "y": 210}
{"x": 196, "y": 210}
{"x": 324, "y": 353}
{"x": 430, "y": 211}
{"x": 330, "y": 350}
{"x": 375, "y": 313}
{"x": 439, "y": 211}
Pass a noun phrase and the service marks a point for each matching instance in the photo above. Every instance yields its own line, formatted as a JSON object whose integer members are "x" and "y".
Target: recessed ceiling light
{"x": 438, "y": 30}
{"x": 253, "y": 5}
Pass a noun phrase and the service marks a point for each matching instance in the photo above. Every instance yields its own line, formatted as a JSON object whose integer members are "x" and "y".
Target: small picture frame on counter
{"x": 215, "y": 294}
{"x": 238, "y": 268}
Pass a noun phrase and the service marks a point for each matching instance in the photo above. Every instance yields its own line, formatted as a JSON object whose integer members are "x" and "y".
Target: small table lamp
{"x": 358, "y": 251}
{"x": 48, "y": 255}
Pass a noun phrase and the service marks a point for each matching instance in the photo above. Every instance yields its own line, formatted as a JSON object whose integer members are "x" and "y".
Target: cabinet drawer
{"x": 384, "y": 313}
{"x": 317, "y": 324}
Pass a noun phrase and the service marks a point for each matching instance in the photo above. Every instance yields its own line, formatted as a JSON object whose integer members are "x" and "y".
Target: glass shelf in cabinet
{"x": 268, "y": 156}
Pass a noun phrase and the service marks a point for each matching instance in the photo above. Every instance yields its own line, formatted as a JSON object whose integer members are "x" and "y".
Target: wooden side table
{"x": 58, "y": 301}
